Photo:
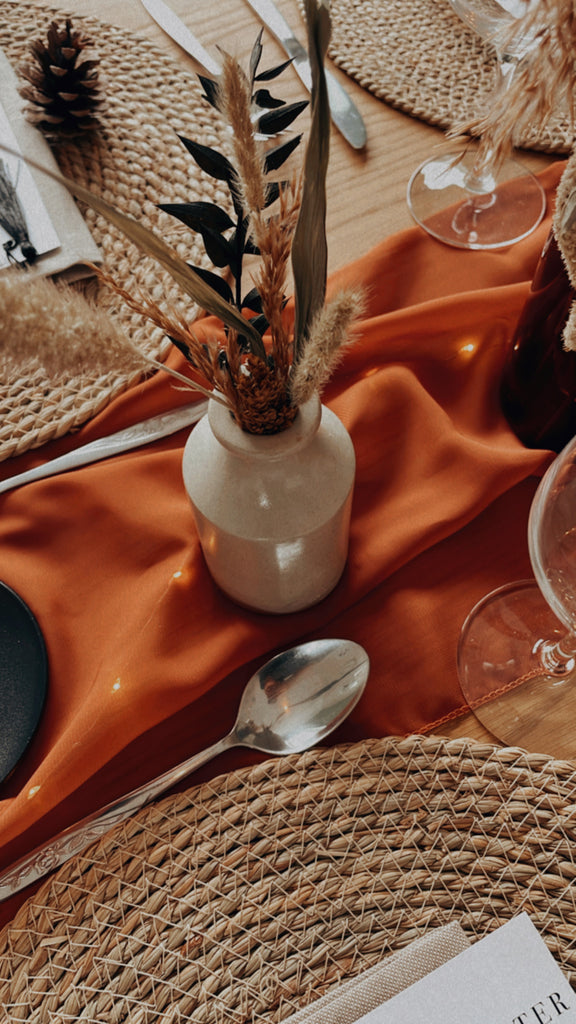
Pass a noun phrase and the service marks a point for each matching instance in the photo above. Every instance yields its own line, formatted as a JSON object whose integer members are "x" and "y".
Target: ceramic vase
{"x": 272, "y": 511}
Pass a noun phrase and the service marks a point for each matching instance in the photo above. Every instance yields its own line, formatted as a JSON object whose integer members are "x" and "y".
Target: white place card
{"x": 55, "y": 225}
{"x": 509, "y": 977}
{"x": 40, "y": 229}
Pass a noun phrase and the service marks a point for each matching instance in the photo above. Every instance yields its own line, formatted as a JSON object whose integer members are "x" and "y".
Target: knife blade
{"x": 344, "y": 113}
{"x": 142, "y": 433}
{"x": 169, "y": 21}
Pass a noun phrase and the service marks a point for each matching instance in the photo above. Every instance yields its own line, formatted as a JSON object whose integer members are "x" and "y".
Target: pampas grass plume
{"x": 328, "y": 337}
{"x": 55, "y": 326}
{"x": 563, "y": 227}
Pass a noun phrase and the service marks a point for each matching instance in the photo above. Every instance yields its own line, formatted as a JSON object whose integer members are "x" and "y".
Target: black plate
{"x": 23, "y": 677}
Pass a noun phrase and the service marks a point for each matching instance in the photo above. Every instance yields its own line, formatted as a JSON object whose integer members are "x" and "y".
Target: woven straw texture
{"x": 135, "y": 161}
{"x": 419, "y": 56}
{"x": 248, "y": 897}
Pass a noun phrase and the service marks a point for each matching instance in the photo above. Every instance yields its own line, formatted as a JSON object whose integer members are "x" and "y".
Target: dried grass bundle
{"x": 564, "y": 227}
{"x": 329, "y": 335}
{"x": 542, "y": 81}
{"x": 235, "y": 103}
{"x": 56, "y": 327}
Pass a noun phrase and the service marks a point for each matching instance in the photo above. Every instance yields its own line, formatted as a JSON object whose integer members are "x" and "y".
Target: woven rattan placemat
{"x": 418, "y": 56}
{"x": 247, "y": 897}
{"x": 135, "y": 161}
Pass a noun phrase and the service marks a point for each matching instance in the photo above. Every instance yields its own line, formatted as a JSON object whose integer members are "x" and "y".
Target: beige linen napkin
{"x": 76, "y": 243}
{"x": 354, "y": 998}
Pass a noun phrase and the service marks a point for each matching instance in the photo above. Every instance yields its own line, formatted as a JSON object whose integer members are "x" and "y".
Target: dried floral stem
{"x": 542, "y": 80}
{"x": 309, "y": 248}
{"x": 172, "y": 324}
{"x": 204, "y": 357}
{"x": 235, "y": 103}
{"x": 188, "y": 382}
{"x": 564, "y": 227}
{"x": 271, "y": 232}
{"x": 274, "y": 238}
{"x": 329, "y": 334}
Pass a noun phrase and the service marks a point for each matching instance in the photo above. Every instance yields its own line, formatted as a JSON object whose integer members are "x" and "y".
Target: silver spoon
{"x": 291, "y": 703}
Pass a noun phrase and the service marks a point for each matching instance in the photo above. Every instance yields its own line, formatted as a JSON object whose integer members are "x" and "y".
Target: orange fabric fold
{"x": 142, "y": 644}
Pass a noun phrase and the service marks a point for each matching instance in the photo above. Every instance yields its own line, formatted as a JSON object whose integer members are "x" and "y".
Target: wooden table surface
{"x": 366, "y": 190}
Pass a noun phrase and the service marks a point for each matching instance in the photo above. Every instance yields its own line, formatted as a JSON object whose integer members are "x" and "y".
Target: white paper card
{"x": 40, "y": 229}
{"x": 63, "y": 241}
{"x": 509, "y": 977}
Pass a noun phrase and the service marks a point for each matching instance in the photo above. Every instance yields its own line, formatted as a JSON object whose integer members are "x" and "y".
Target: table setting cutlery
{"x": 174, "y": 27}
{"x": 289, "y": 705}
{"x": 343, "y": 111}
{"x": 152, "y": 429}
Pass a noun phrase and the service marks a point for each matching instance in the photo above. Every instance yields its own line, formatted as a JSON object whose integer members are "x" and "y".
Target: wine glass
{"x": 465, "y": 197}
{"x": 517, "y": 649}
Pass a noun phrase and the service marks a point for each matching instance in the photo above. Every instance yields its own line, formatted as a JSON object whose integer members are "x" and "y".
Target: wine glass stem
{"x": 485, "y": 166}
{"x": 558, "y": 658}
{"x": 480, "y": 179}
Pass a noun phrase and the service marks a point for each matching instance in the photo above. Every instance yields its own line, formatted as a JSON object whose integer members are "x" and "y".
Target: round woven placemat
{"x": 252, "y": 895}
{"x": 135, "y": 161}
{"x": 419, "y": 56}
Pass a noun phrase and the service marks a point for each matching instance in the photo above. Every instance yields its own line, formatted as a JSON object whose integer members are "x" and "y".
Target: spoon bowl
{"x": 300, "y": 696}
{"x": 296, "y": 699}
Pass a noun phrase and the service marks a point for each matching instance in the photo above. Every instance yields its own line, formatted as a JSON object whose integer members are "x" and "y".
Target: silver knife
{"x": 345, "y": 115}
{"x": 123, "y": 440}
{"x": 181, "y": 34}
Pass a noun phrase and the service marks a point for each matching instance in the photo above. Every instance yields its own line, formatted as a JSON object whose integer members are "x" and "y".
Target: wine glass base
{"x": 440, "y": 202}
{"x": 504, "y": 678}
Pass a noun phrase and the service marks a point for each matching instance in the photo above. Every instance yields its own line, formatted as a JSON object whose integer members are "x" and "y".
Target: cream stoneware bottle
{"x": 272, "y": 511}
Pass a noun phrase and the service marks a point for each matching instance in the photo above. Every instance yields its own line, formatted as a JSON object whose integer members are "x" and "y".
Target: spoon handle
{"x": 77, "y": 837}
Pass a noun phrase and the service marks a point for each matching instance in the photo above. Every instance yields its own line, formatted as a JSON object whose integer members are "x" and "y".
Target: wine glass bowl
{"x": 493, "y": 21}
{"x": 517, "y": 649}
{"x": 465, "y": 197}
{"x": 552, "y": 537}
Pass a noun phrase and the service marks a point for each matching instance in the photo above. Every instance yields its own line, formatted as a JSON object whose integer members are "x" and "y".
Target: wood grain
{"x": 366, "y": 190}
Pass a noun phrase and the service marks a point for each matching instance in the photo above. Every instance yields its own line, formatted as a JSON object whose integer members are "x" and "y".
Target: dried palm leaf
{"x": 309, "y": 246}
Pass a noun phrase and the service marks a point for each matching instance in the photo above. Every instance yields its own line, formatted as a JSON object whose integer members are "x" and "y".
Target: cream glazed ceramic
{"x": 272, "y": 511}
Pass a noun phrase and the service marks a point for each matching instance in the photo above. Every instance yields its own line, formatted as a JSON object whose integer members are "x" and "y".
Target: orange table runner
{"x": 147, "y": 657}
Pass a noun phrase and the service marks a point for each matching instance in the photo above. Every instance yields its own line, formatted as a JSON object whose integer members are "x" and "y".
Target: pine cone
{"x": 63, "y": 94}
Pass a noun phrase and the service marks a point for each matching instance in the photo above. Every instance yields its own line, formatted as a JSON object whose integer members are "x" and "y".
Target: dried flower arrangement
{"x": 541, "y": 82}
{"x": 259, "y": 367}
